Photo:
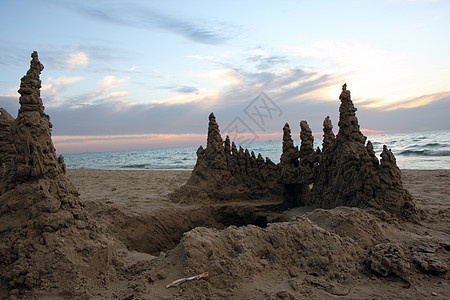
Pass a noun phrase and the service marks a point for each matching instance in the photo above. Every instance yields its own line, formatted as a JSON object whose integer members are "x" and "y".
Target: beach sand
{"x": 133, "y": 235}
{"x": 136, "y": 208}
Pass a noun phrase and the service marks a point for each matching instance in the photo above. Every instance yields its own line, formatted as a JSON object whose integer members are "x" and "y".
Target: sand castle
{"x": 223, "y": 172}
{"x": 52, "y": 246}
{"x": 345, "y": 172}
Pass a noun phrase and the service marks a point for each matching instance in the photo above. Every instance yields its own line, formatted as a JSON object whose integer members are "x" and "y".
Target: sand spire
{"x": 349, "y": 175}
{"x": 7, "y": 147}
{"x": 348, "y": 122}
{"x": 289, "y": 170}
{"x": 35, "y": 153}
{"x": 306, "y": 146}
{"x": 43, "y": 224}
{"x": 328, "y": 135}
{"x": 345, "y": 173}
{"x": 222, "y": 172}
{"x": 215, "y": 152}
{"x": 308, "y": 156}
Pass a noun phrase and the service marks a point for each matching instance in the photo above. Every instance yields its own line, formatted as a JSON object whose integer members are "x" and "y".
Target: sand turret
{"x": 7, "y": 147}
{"x": 308, "y": 157}
{"x": 215, "y": 152}
{"x": 297, "y": 167}
{"x": 35, "y": 156}
{"x": 289, "y": 160}
{"x": 222, "y": 172}
{"x": 289, "y": 170}
{"x": 328, "y": 135}
{"x": 345, "y": 173}
{"x": 44, "y": 227}
{"x": 349, "y": 175}
{"x": 348, "y": 122}
{"x": 307, "y": 140}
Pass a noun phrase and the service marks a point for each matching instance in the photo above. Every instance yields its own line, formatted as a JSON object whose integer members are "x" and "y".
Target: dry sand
{"x": 135, "y": 206}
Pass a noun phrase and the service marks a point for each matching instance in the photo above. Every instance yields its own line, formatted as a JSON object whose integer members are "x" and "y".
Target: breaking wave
{"x": 425, "y": 153}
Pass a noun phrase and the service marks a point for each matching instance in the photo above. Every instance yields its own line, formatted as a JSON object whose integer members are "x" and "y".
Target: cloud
{"x": 351, "y": 56}
{"x": 268, "y": 62}
{"x": 259, "y": 51}
{"x": 54, "y": 91}
{"x": 410, "y": 102}
{"x": 264, "y": 60}
{"x": 379, "y": 79}
{"x": 117, "y": 95}
{"x": 269, "y": 72}
{"x": 64, "y": 80}
{"x": 140, "y": 16}
{"x": 418, "y": 101}
{"x": 51, "y": 94}
{"x": 53, "y": 87}
{"x": 160, "y": 74}
{"x": 93, "y": 56}
{"x": 201, "y": 57}
{"x": 121, "y": 118}
{"x": 10, "y": 103}
{"x": 77, "y": 59}
{"x": 183, "y": 89}
{"x": 13, "y": 55}
{"x": 183, "y": 99}
{"x": 223, "y": 77}
{"x": 106, "y": 84}
{"x": 188, "y": 115}
{"x": 109, "y": 82}
{"x": 234, "y": 85}
{"x": 186, "y": 89}
{"x": 289, "y": 84}
{"x": 432, "y": 116}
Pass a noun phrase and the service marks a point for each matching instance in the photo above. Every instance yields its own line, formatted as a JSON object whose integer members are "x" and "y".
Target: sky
{"x": 146, "y": 74}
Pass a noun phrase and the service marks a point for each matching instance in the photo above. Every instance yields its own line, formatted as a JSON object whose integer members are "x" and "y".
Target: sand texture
{"x": 347, "y": 253}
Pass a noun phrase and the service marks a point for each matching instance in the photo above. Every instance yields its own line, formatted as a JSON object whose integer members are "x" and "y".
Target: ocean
{"x": 426, "y": 150}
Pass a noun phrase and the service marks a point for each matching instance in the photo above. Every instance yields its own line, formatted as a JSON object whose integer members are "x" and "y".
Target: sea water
{"x": 426, "y": 150}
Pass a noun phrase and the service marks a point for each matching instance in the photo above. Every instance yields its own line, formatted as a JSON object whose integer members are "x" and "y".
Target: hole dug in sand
{"x": 161, "y": 230}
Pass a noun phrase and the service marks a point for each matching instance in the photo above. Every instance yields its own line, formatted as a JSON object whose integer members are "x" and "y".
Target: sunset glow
{"x": 148, "y": 74}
